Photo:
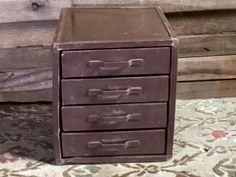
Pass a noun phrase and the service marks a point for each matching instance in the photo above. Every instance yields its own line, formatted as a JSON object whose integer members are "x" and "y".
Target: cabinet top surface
{"x": 96, "y": 26}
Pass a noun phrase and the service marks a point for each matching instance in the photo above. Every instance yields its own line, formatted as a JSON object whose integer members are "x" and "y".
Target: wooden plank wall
{"x": 207, "y": 50}
{"x": 21, "y": 10}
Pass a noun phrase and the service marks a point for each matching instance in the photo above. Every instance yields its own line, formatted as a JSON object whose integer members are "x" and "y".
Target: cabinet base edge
{"x": 113, "y": 159}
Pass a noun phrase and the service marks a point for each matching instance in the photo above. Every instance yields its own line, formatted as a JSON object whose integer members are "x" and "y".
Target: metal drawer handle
{"x": 114, "y": 94}
{"x": 113, "y": 119}
{"x": 111, "y": 66}
{"x": 114, "y": 145}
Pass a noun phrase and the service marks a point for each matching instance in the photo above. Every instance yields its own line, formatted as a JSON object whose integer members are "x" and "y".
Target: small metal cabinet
{"x": 114, "y": 85}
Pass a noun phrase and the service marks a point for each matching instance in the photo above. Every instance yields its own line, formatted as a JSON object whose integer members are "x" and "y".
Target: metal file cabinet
{"x": 114, "y": 85}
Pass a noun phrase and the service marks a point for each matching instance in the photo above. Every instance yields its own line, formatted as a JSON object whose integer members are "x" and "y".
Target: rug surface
{"x": 204, "y": 144}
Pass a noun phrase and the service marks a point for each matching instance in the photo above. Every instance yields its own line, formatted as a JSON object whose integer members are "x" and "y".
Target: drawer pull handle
{"x": 113, "y": 66}
{"x": 113, "y": 119}
{"x": 114, "y": 94}
{"x": 114, "y": 145}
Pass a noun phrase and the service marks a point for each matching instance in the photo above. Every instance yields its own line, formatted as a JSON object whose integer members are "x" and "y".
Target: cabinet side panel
{"x": 56, "y": 106}
{"x": 172, "y": 98}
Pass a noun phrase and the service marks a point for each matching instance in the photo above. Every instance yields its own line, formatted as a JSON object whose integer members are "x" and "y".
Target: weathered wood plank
{"x": 21, "y": 10}
{"x": 207, "y": 45}
{"x": 206, "y": 89}
{"x": 25, "y": 57}
{"x": 166, "y": 5}
{"x": 26, "y": 85}
{"x": 204, "y": 22}
{"x": 207, "y": 68}
{"x": 27, "y": 34}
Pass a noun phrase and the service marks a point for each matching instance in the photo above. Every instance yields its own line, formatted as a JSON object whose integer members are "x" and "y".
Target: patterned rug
{"x": 204, "y": 145}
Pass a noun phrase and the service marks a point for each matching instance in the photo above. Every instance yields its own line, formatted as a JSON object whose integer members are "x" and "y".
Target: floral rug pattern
{"x": 204, "y": 144}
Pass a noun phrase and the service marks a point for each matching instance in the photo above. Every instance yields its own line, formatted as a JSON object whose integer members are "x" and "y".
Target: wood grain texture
{"x": 27, "y": 34}
{"x": 26, "y": 61}
{"x": 26, "y": 85}
{"x": 207, "y": 44}
{"x": 21, "y": 10}
{"x": 207, "y": 68}
{"x": 167, "y": 6}
{"x": 25, "y": 57}
{"x": 206, "y": 89}
{"x": 203, "y": 22}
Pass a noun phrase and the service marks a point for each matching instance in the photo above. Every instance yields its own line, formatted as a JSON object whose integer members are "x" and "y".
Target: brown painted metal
{"x": 113, "y": 143}
{"x": 56, "y": 107}
{"x": 116, "y": 62}
{"x": 112, "y": 117}
{"x": 90, "y": 28}
{"x": 114, "y": 85}
{"x": 115, "y": 159}
{"x": 114, "y": 90}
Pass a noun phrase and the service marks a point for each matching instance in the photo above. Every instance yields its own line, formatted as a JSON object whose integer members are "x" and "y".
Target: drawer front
{"x": 104, "y": 117}
{"x": 114, "y": 90}
{"x": 116, "y": 62}
{"x": 113, "y": 143}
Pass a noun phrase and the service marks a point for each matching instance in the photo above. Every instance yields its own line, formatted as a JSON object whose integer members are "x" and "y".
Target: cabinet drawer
{"x": 104, "y": 117}
{"x": 113, "y": 143}
{"x": 114, "y": 90}
{"x": 116, "y": 62}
